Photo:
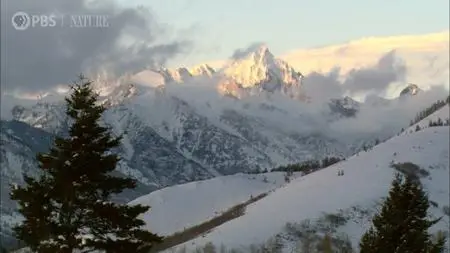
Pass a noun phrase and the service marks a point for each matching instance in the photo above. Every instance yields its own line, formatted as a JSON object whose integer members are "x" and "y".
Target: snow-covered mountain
{"x": 202, "y": 70}
{"x": 425, "y": 57}
{"x": 324, "y": 201}
{"x": 346, "y": 106}
{"x": 410, "y": 90}
{"x": 179, "y": 127}
{"x": 181, "y": 75}
{"x": 259, "y": 70}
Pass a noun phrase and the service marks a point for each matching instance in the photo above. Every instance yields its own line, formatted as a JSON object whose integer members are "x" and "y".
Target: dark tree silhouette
{"x": 68, "y": 208}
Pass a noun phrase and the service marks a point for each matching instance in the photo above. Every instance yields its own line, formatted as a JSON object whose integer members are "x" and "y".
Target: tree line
{"x": 429, "y": 110}
{"x": 309, "y": 165}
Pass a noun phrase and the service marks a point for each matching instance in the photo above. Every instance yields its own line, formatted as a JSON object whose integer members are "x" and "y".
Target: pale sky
{"x": 220, "y": 27}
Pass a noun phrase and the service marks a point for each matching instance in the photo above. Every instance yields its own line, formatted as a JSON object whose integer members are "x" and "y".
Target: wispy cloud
{"x": 238, "y": 53}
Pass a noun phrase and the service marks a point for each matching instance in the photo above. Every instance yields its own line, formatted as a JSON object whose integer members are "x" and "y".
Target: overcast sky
{"x": 223, "y": 26}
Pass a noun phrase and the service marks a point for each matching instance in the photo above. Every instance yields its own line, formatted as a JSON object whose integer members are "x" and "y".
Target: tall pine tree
{"x": 402, "y": 224}
{"x": 67, "y": 208}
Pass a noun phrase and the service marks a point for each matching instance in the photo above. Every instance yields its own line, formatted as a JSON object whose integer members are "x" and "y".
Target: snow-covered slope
{"x": 366, "y": 180}
{"x": 182, "y": 206}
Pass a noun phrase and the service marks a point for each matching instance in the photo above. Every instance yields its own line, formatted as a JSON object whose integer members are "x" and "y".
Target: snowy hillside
{"x": 202, "y": 200}
{"x": 366, "y": 180}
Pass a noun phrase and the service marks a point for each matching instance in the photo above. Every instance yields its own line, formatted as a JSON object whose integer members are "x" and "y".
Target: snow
{"x": 148, "y": 78}
{"x": 202, "y": 69}
{"x": 259, "y": 67}
{"x": 367, "y": 179}
{"x": 182, "y": 206}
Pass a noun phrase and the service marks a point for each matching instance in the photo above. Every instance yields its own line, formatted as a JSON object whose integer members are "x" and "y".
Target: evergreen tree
{"x": 67, "y": 208}
{"x": 209, "y": 248}
{"x": 402, "y": 224}
{"x": 344, "y": 244}
{"x": 326, "y": 245}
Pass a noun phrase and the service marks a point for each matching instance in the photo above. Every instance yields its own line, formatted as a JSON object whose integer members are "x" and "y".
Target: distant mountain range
{"x": 426, "y": 57}
{"x": 181, "y": 125}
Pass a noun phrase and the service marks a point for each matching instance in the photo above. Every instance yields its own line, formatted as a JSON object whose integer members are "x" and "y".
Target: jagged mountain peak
{"x": 202, "y": 70}
{"x": 259, "y": 53}
{"x": 411, "y": 89}
{"x": 106, "y": 82}
{"x": 260, "y": 69}
{"x": 182, "y": 74}
{"x": 258, "y": 59}
{"x": 345, "y": 106}
{"x": 347, "y": 101}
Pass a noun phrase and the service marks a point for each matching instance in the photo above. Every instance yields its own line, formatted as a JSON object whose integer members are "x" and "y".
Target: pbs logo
{"x": 22, "y": 20}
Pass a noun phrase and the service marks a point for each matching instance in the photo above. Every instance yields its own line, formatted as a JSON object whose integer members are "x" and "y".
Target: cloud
{"x": 40, "y": 58}
{"x": 363, "y": 81}
{"x": 323, "y": 86}
{"x": 376, "y": 78}
{"x": 385, "y": 121}
{"x": 241, "y": 52}
{"x": 380, "y": 120}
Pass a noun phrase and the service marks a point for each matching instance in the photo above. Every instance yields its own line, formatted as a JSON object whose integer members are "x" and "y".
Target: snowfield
{"x": 182, "y": 206}
{"x": 367, "y": 179}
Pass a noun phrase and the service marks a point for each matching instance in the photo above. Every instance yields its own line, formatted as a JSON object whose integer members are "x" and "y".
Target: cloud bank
{"x": 370, "y": 80}
{"x": 39, "y": 58}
